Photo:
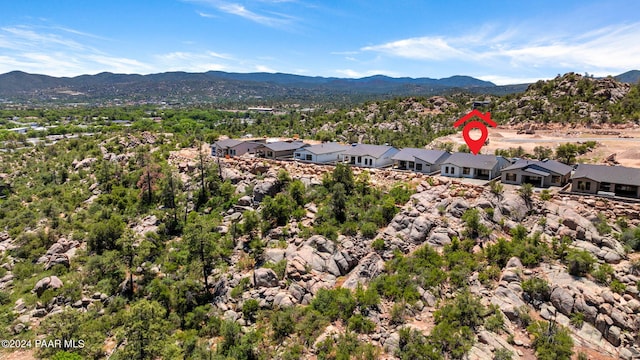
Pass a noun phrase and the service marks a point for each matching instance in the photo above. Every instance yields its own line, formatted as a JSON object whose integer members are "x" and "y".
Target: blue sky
{"x": 508, "y": 41}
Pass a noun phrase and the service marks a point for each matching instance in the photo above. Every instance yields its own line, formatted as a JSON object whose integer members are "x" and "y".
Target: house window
{"x": 627, "y": 188}
{"x": 466, "y": 171}
{"x": 298, "y": 155}
{"x": 411, "y": 164}
{"x": 584, "y": 186}
{"x": 309, "y": 157}
{"x": 511, "y": 177}
{"x": 359, "y": 159}
{"x": 270, "y": 153}
{"x": 555, "y": 179}
{"x": 418, "y": 167}
{"x": 232, "y": 152}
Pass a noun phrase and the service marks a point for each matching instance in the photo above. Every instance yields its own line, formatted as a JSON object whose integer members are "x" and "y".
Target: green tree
{"x": 104, "y": 234}
{"x": 551, "y": 341}
{"x": 339, "y": 202}
{"x": 542, "y": 152}
{"x": 145, "y": 331}
{"x": 343, "y": 174}
{"x": 567, "y": 153}
{"x": 474, "y": 227}
{"x": 579, "y": 262}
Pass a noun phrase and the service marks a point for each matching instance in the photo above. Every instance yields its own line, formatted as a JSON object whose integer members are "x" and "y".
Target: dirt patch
{"x": 18, "y": 355}
{"x": 625, "y": 142}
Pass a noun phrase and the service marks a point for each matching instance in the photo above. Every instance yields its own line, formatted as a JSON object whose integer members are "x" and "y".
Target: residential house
{"x": 366, "y": 155}
{"x": 279, "y": 149}
{"x": 233, "y": 147}
{"x": 538, "y": 173}
{"x": 472, "y": 166}
{"x": 606, "y": 180}
{"x": 322, "y": 153}
{"x": 419, "y": 160}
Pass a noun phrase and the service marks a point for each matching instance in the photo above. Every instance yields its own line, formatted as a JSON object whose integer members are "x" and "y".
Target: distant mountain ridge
{"x": 219, "y": 86}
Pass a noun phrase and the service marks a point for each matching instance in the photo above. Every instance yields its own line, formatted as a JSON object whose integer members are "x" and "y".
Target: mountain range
{"x": 218, "y": 87}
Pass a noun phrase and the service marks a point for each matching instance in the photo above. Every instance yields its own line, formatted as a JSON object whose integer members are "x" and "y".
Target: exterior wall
{"x": 370, "y": 161}
{"x": 386, "y": 158}
{"x": 317, "y": 158}
{"x": 454, "y": 171}
{"x": 519, "y": 178}
{"x": 593, "y": 186}
{"x": 516, "y": 181}
{"x": 245, "y": 147}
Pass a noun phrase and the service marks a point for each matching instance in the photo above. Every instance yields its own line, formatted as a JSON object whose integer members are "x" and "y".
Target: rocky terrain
{"x": 431, "y": 217}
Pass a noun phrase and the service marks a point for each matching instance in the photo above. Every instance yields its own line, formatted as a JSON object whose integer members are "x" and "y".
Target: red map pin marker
{"x": 475, "y": 145}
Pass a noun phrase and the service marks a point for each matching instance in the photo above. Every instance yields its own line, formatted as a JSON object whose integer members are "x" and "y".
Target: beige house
{"x": 538, "y": 173}
{"x": 606, "y": 180}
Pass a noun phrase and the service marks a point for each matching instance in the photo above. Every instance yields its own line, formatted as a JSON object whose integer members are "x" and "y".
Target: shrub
{"x": 397, "y": 313}
{"x": 474, "y": 228}
{"x": 524, "y": 318}
{"x": 631, "y": 238}
{"x": 250, "y": 308}
{"x": 617, "y": 286}
{"x": 282, "y": 323}
{"x": 545, "y": 195}
{"x": 496, "y": 187}
{"x": 603, "y": 274}
{"x": 361, "y": 324}
{"x": 378, "y": 244}
{"x": 579, "y": 262}
{"x": 495, "y": 322}
{"x": 601, "y": 224}
{"x": 577, "y": 319}
{"x": 536, "y": 289}
{"x": 502, "y": 354}
{"x": 551, "y": 341}
{"x": 369, "y": 230}
{"x": 489, "y": 274}
{"x": 279, "y": 268}
{"x": 349, "y": 228}
{"x": 335, "y": 304}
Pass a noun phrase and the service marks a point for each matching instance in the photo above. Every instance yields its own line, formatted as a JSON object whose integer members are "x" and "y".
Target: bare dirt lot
{"x": 624, "y": 143}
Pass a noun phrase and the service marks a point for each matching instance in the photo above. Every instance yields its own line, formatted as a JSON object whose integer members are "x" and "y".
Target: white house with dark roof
{"x": 538, "y": 173}
{"x": 233, "y": 147}
{"x": 606, "y": 180}
{"x": 366, "y": 155}
{"x": 321, "y": 153}
{"x": 419, "y": 160}
{"x": 279, "y": 149}
{"x": 465, "y": 165}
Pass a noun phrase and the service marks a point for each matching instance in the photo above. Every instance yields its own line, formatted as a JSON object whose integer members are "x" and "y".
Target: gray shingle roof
{"x": 226, "y": 143}
{"x": 284, "y": 145}
{"x": 485, "y": 162}
{"x": 549, "y": 165}
{"x": 326, "y": 148}
{"x": 611, "y": 174}
{"x": 375, "y": 151}
{"x": 428, "y": 156}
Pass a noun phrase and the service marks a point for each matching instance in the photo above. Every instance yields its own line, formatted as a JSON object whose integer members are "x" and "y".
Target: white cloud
{"x": 267, "y": 18}
{"x": 264, "y": 68}
{"x": 421, "y": 48}
{"x": 608, "y": 49}
{"x": 206, "y": 15}
{"x": 350, "y": 73}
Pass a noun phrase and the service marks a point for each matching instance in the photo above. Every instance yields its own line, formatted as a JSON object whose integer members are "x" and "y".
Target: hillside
{"x": 571, "y": 99}
{"x": 222, "y": 87}
{"x": 142, "y": 247}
